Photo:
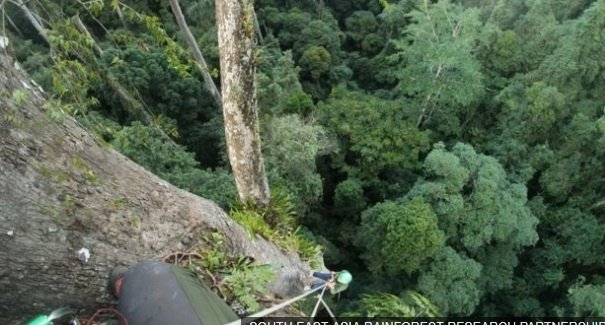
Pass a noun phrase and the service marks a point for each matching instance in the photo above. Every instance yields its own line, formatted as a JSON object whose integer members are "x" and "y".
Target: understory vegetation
{"x": 449, "y": 153}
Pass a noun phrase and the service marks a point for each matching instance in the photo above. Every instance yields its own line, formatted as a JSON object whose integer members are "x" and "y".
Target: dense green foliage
{"x": 450, "y": 147}
{"x": 399, "y": 237}
{"x": 410, "y": 304}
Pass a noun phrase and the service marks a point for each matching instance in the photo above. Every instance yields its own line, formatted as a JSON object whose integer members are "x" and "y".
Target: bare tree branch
{"x": 197, "y": 53}
{"x": 597, "y": 205}
{"x": 125, "y": 96}
{"x": 31, "y": 16}
{"x": 257, "y": 28}
{"x": 7, "y": 18}
{"x": 82, "y": 28}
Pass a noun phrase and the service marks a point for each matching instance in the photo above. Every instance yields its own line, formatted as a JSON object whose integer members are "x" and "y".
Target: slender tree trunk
{"x": 121, "y": 16}
{"x": 259, "y": 34}
{"x": 82, "y": 28}
{"x": 234, "y": 19}
{"x": 32, "y": 19}
{"x": 11, "y": 22}
{"x": 197, "y": 53}
{"x": 62, "y": 194}
{"x": 137, "y": 109}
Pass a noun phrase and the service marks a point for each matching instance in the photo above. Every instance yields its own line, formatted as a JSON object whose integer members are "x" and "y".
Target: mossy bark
{"x": 238, "y": 86}
{"x": 60, "y": 192}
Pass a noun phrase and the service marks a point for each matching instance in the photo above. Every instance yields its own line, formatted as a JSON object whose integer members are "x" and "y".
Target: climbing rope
{"x": 319, "y": 300}
{"x": 268, "y": 311}
{"x": 91, "y": 320}
{"x": 328, "y": 310}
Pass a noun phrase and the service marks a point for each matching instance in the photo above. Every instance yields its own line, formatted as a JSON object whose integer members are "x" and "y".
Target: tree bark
{"x": 234, "y": 20}
{"x": 197, "y": 53}
{"x": 61, "y": 192}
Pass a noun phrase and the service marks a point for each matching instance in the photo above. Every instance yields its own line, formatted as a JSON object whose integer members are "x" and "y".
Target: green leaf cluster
{"x": 376, "y": 135}
{"x": 399, "y": 236}
{"x": 411, "y": 304}
{"x": 451, "y": 282}
{"x": 437, "y": 65}
{"x": 245, "y": 284}
{"x": 147, "y": 147}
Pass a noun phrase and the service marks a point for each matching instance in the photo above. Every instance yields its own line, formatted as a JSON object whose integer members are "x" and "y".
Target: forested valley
{"x": 449, "y": 154}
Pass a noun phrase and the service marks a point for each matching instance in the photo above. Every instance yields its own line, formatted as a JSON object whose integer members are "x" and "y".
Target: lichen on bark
{"x": 238, "y": 85}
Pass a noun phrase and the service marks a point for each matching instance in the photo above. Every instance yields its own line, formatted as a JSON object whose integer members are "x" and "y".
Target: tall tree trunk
{"x": 197, "y": 53}
{"x": 234, "y": 19}
{"x": 61, "y": 193}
